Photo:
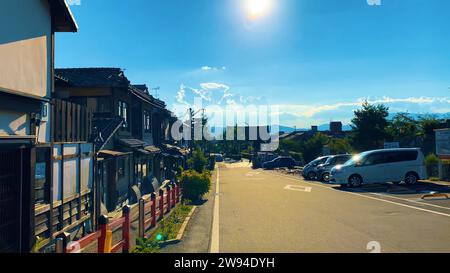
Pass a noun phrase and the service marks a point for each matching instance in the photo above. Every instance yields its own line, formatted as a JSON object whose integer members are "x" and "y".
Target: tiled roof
{"x": 131, "y": 142}
{"x": 141, "y": 91}
{"x": 93, "y": 77}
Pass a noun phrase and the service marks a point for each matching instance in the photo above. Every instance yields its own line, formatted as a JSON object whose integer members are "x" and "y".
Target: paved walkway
{"x": 198, "y": 232}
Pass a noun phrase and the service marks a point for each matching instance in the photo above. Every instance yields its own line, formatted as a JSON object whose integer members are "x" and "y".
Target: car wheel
{"x": 326, "y": 177}
{"x": 411, "y": 178}
{"x": 311, "y": 175}
{"x": 355, "y": 181}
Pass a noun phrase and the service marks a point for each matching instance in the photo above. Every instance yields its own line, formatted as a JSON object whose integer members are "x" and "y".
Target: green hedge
{"x": 194, "y": 185}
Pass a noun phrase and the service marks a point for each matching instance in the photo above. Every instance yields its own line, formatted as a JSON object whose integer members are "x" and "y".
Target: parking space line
{"x": 404, "y": 199}
{"x": 214, "y": 247}
{"x": 368, "y": 197}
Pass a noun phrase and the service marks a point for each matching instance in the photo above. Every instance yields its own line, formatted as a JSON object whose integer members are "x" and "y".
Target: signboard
{"x": 391, "y": 145}
{"x": 443, "y": 142}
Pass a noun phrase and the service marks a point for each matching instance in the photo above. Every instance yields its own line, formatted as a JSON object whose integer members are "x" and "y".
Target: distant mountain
{"x": 417, "y": 116}
{"x": 323, "y": 127}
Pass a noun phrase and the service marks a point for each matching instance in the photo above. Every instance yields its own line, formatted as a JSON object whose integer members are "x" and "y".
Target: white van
{"x": 379, "y": 166}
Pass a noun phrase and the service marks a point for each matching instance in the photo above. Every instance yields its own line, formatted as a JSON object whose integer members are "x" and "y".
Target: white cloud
{"x": 213, "y": 86}
{"x": 210, "y": 68}
{"x": 181, "y": 94}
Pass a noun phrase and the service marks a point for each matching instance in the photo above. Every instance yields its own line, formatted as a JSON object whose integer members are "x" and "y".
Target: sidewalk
{"x": 198, "y": 232}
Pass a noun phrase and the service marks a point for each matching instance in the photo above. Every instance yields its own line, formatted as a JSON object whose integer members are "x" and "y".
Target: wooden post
{"x": 174, "y": 189}
{"x": 103, "y": 227}
{"x": 153, "y": 208}
{"x": 161, "y": 204}
{"x": 126, "y": 229}
{"x": 61, "y": 242}
{"x": 59, "y": 246}
{"x": 169, "y": 192}
{"x": 141, "y": 218}
{"x": 178, "y": 192}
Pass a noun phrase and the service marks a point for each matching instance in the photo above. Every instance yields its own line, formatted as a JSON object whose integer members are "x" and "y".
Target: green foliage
{"x": 198, "y": 161}
{"x": 403, "y": 129}
{"x": 369, "y": 126}
{"x": 313, "y": 147}
{"x": 167, "y": 229}
{"x": 427, "y": 125}
{"x": 194, "y": 185}
{"x": 144, "y": 245}
{"x": 340, "y": 146}
{"x": 431, "y": 159}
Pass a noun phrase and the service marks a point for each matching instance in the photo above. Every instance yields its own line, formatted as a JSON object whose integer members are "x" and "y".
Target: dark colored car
{"x": 280, "y": 162}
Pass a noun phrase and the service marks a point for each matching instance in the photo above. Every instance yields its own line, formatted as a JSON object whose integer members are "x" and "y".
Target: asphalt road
{"x": 266, "y": 211}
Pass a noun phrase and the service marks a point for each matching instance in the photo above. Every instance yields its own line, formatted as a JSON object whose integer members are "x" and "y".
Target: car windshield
{"x": 356, "y": 158}
{"x": 317, "y": 161}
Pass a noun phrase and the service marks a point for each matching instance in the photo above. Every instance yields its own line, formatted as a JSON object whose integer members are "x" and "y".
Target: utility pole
{"x": 191, "y": 123}
{"x": 192, "y": 113}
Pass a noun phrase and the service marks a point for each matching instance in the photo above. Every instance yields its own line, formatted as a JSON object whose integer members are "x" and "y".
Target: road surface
{"x": 267, "y": 211}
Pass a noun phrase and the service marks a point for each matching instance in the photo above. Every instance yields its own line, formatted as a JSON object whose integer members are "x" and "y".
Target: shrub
{"x": 198, "y": 161}
{"x": 194, "y": 185}
{"x": 431, "y": 159}
{"x": 144, "y": 245}
{"x": 431, "y": 162}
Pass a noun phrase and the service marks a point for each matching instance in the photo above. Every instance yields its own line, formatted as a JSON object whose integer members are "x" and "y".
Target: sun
{"x": 258, "y": 8}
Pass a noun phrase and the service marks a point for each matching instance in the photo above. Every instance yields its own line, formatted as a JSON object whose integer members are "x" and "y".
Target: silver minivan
{"x": 379, "y": 166}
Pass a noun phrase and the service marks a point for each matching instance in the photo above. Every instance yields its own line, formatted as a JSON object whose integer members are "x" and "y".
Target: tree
{"x": 369, "y": 126}
{"x": 427, "y": 125}
{"x": 313, "y": 147}
{"x": 198, "y": 162}
{"x": 340, "y": 146}
{"x": 403, "y": 129}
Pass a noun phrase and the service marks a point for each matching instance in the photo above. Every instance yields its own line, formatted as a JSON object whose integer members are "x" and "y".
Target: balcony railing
{"x": 71, "y": 122}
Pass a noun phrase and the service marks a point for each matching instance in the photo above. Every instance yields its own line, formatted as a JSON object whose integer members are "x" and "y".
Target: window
{"x": 374, "y": 159}
{"x": 123, "y": 112}
{"x": 401, "y": 156}
{"x": 42, "y": 176}
{"x": 147, "y": 122}
{"x": 342, "y": 159}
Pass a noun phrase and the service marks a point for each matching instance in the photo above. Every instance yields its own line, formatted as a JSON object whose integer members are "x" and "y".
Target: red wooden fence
{"x": 150, "y": 211}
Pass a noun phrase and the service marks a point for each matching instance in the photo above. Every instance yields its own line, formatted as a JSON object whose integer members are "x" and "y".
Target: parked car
{"x": 218, "y": 157}
{"x": 324, "y": 170}
{"x": 380, "y": 166}
{"x": 310, "y": 170}
{"x": 280, "y": 162}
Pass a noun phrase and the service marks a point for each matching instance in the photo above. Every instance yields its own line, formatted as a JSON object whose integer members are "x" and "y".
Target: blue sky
{"x": 316, "y": 59}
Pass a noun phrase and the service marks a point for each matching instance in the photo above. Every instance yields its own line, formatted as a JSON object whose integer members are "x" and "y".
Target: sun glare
{"x": 258, "y": 8}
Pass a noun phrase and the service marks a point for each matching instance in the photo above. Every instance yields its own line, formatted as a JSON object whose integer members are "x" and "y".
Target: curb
{"x": 181, "y": 232}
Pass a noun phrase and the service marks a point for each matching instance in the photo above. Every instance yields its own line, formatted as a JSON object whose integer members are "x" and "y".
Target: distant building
{"x": 335, "y": 128}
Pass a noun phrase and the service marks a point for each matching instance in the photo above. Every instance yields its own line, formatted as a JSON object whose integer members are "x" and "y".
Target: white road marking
{"x": 214, "y": 247}
{"x": 298, "y": 188}
{"x": 404, "y": 199}
{"x": 369, "y": 197}
{"x": 252, "y": 173}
